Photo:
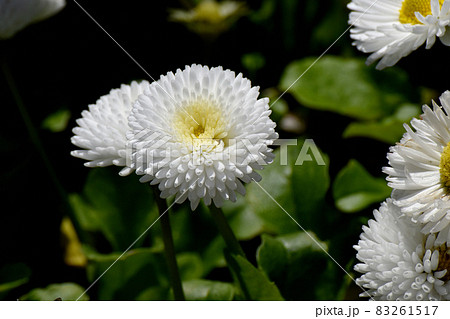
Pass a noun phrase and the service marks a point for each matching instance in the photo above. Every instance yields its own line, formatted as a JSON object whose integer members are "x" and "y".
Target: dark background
{"x": 68, "y": 62}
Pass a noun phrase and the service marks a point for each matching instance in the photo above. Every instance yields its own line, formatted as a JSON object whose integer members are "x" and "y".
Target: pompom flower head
{"x": 101, "y": 131}
{"x": 17, "y": 14}
{"x": 398, "y": 262}
{"x": 200, "y": 133}
{"x": 392, "y": 29}
{"x": 419, "y": 171}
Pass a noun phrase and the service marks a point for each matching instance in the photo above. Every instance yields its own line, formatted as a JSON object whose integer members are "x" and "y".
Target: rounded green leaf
{"x": 354, "y": 188}
{"x": 272, "y": 257}
{"x": 388, "y": 130}
{"x": 294, "y": 185}
{"x": 206, "y": 290}
{"x": 297, "y": 263}
{"x": 346, "y": 86}
{"x": 190, "y": 265}
{"x": 65, "y": 291}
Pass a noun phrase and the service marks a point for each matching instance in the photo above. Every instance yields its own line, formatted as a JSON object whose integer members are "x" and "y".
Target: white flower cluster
{"x": 198, "y": 133}
{"x": 392, "y": 29}
{"x": 399, "y": 262}
{"x": 404, "y": 252}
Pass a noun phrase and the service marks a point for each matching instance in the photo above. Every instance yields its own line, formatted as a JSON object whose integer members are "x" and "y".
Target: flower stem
{"x": 226, "y": 231}
{"x": 169, "y": 249}
{"x": 34, "y": 137}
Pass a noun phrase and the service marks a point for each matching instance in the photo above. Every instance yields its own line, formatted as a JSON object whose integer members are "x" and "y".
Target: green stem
{"x": 169, "y": 249}
{"x": 32, "y": 132}
{"x": 226, "y": 231}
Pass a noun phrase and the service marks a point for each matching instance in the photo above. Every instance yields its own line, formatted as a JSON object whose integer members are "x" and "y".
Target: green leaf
{"x": 275, "y": 187}
{"x": 296, "y": 262}
{"x": 207, "y": 290}
{"x": 253, "y": 283}
{"x": 129, "y": 276}
{"x": 388, "y": 130}
{"x": 346, "y": 86}
{"x": 297, "y": 181}
{"x": 155, "y": 293}
{"x": 272, "y": 257}
{"x": 120, "y": 208}
{"x": 355, "y": 189}
{"x": 57, "y": 122}
{"x": 331, "y": 26}
{"x": 244, "y": 222}
{"x": 190, "y": 265}
{"x": 310, "y": 183}
{"x": 298, "y": 243}
{"x": 13, "y": 276}
{"x": 213, "y": 255}
{"x": 66, "y": 291}
{"x": 253, "y": 61}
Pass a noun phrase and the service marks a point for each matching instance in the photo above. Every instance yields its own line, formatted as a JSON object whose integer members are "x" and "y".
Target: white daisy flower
{"x": 17, "y": 14}
{"x": 419, "y": 170}
{"x": 101, "y": 131}
{"x": 398, "y": 262}
{"x": 392, "y": 29}
{"x": 199, "y": 133}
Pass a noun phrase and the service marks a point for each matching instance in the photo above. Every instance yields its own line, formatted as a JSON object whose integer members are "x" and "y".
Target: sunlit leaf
{"x": 354, "y": 188}
{"x": 388, "y": 130}
{"x": 346, "y": 86}
{"x": 208, "y": 290}
{"x": 65, "y": 291}
{"x": 293, "y": 186}
{"x": 245, "y": 223}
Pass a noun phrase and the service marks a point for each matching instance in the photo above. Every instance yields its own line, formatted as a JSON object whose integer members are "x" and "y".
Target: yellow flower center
{"x": 200, "y": 125}
{"x": 410, "y": 7}
{"x": 444, "y": 166}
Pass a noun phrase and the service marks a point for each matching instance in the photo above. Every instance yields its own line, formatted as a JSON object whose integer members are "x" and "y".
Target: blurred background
{"x": 62, "y": 224}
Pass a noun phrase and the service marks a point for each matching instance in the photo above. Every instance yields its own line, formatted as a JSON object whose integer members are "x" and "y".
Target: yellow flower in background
{"x": 209, "y": 17}
{"x": 17, "y": 14}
